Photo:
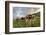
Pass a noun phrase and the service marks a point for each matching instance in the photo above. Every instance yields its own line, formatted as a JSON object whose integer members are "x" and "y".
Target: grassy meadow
{"x": 22, "y": 23}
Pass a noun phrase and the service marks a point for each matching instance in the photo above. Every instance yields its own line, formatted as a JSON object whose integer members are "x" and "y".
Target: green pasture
{"x": 22, "y": 23}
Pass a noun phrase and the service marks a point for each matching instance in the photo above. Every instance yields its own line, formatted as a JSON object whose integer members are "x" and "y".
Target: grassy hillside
{"x": 37, "y": 14}
{"x": 22, "y": 23}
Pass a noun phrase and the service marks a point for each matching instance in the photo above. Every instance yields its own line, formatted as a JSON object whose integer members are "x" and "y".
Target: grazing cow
{"x": 23, "y": 18}
{"x": 33, "y": 18}
{"x": 30, "y": 18}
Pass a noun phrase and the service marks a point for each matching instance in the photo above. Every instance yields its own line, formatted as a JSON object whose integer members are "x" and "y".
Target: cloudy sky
{"x": 22, "y": 11}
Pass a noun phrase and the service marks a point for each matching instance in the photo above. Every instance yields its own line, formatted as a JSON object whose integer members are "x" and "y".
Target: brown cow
{"x": 23, "y": 18}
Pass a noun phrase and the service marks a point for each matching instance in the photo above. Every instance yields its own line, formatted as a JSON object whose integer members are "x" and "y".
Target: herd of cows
{"x": 27, "y": 18}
